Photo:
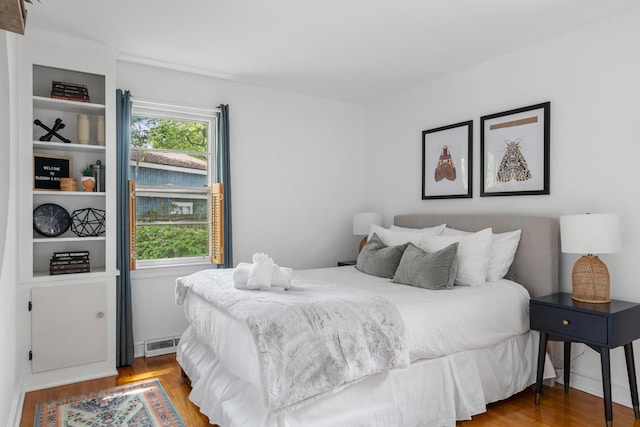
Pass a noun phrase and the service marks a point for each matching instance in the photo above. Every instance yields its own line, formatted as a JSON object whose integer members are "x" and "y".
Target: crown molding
{"x": 136, "y": 59}
{"x": 70, "y": 41}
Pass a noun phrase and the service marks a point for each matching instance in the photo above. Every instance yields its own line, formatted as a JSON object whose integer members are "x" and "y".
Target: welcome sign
{"x": 48, "y": 169}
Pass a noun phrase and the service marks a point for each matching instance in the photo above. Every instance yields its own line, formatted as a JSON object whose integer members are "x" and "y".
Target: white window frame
{"x": 208, "y": 116}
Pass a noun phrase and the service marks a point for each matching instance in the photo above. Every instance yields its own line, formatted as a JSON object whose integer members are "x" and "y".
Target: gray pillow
{"x": 435, "y": 270}
{"x": 377, "y": 259}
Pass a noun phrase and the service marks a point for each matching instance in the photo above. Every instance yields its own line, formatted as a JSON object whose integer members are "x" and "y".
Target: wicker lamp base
{"x": 362, "y": 243}
{"x": 590, "y": 279}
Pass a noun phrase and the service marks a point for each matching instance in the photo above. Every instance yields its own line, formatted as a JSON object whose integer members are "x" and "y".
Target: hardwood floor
{"x": 575, "y": 409}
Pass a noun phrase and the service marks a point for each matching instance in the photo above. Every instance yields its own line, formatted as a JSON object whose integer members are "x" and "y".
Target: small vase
{"x": 88, "y": 183}
{"x": 83, "y": 129}
{"x": 100, "y": 130}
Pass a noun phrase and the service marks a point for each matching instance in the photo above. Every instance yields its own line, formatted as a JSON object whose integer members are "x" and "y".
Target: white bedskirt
{"x": 431, "y": 392}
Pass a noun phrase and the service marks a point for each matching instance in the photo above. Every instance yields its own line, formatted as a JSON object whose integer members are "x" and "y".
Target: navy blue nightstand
{"x": 600, "y": 326}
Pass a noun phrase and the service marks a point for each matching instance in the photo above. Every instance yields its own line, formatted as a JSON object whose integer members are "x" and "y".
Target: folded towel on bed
{"x": 277, "y": 277}
{"x": 281, "y": 277}
{"x": 260, "y": 272}
{"x": 241, "y": 275}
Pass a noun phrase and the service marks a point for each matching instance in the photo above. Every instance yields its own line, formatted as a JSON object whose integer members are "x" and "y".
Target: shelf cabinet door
{"x": 68, "y": 325}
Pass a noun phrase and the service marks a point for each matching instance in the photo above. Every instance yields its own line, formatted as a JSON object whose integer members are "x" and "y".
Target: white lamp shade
{"x": 362, "y": 222}
{"x": 590, "y": 233}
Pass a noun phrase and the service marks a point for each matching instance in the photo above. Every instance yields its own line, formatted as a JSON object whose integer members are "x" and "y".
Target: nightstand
{"x": 343, "y": 263}
{"x": 600, "y": 326}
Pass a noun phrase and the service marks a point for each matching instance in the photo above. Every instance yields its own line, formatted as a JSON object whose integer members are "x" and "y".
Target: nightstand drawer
{"x": 569, "y": 323}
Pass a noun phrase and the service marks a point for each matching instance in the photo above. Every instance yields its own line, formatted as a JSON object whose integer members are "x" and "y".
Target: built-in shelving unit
{"x": 47, "y": 110}
{"x": 57, "y": 358}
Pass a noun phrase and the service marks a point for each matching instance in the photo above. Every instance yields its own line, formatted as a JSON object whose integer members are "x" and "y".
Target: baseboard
{"x": 138, "y": 349}
{"x": 32, "y": 385}
{"x": 15, "y": 417}
{"x": 619, "y": 394}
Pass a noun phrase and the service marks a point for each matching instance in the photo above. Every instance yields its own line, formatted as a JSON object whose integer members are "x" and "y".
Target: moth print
{"x": 513, "y": 164}
{"x": 445, "y": 168}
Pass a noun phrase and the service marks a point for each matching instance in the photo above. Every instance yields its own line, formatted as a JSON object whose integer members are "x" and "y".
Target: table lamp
{"x": 589, "y": 234}
{"x": 362, "y": 223}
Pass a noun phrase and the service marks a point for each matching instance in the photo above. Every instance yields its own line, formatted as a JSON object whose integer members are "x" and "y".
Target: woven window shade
{"x": 217, "y": 223}
{"x": 132, "y": 224}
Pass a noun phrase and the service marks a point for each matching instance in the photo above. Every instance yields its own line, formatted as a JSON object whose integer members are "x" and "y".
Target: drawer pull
{"x": 100, "y": 315}
{"x": 565, "y": 322}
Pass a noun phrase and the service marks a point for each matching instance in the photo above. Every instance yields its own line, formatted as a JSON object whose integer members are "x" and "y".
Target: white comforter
{"x": 437, "y": 322}
{"x": 311, "y": 339}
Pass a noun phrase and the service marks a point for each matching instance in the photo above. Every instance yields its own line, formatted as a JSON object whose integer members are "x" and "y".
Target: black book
{"x": 70, "y": 254}
{"x": 72, "y": 271}
{"x": 70, "y": 266}
{"x": 73, "y": 261}
{"x": 66, "y": 84}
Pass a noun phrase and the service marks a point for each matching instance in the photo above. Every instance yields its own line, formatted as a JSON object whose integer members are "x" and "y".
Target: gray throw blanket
{"x": 312, "y": 340}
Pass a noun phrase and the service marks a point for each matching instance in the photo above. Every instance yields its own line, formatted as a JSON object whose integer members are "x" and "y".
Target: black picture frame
{"x": 447, "y": 161}
{"x": 514, "y": 152}
{"x": 48, "y": 169}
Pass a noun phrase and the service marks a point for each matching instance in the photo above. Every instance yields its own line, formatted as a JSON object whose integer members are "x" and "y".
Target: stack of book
{"x": 69, "y": 91}
{"x": 69, "y": 262}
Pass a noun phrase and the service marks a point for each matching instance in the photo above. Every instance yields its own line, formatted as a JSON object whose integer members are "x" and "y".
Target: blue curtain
{"x": 124, "y": 316}
{"x": 224, "y": 176}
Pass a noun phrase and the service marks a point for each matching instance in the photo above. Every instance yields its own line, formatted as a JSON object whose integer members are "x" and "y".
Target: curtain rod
{"x": 155, "y": 105}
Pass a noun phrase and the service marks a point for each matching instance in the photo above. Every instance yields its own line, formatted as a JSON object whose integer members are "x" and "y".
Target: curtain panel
{"x": 124, "y": 316}
{"x": 224, "y": 176}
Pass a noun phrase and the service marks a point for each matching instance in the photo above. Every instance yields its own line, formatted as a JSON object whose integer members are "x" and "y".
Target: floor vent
{"x": 160, "y": 346}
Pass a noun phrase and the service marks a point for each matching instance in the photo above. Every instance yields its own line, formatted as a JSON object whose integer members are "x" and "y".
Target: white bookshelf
{"x": 45, "y": 330}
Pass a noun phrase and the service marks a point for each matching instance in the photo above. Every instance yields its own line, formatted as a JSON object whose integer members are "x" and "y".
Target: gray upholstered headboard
{"x": 536, "y": 263}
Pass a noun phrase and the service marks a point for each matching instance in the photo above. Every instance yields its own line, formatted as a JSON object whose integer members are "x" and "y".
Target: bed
{"x": 487, "y": 353}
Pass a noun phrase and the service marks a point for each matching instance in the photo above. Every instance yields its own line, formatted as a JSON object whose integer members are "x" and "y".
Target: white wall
{"x": 590, "y": 76}
{"x": 297, "y": 177}
{"x": 10, "y": 362}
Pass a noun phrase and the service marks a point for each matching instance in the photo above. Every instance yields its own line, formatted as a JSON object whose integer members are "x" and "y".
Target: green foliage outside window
{"x": 167, "y": 134}
{"x": 166, "y": 241}
{"x": 162, "y": 241}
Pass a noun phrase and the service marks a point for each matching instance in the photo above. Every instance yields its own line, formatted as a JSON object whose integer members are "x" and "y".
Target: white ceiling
{"x": 353, "y": 50}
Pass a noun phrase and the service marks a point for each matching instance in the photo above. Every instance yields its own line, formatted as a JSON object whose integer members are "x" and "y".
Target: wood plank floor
{"x": 575, "y": 409}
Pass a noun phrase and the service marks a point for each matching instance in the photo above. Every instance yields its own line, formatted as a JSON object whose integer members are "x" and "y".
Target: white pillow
{"x": 431, "y": 230}
{"x": 454, "y": 232}
{"x": 503, "y": 251}
{"x": 391, "y": 237}
{"x": 473, "y": 254}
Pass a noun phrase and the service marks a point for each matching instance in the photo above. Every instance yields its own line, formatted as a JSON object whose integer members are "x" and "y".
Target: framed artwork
{"x": 514, "y": 150}
{"x": 48, "y": 169}
{"x": 447, "y": 161}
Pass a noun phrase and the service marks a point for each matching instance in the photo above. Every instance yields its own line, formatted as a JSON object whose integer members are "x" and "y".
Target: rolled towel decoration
{"x": 241, "y": 275}
{"x": 261, "y": 272}
{"x": 281, "y": 277}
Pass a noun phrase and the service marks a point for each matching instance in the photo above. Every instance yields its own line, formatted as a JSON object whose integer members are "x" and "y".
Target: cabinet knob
{"x": 100, "y": 315}
{"x": 565, "y": 322}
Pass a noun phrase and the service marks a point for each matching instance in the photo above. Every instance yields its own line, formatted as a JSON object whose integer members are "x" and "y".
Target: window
{"x": 172, "y": 166}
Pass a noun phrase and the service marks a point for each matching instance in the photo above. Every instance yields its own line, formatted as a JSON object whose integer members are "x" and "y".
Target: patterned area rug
{"x": 141, "y": 404}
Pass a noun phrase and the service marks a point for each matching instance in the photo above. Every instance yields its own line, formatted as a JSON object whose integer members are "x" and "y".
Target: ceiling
{"x": 352, "y": 50}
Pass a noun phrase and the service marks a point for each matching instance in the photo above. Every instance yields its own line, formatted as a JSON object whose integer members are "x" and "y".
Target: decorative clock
{"x": 51, "y": 220}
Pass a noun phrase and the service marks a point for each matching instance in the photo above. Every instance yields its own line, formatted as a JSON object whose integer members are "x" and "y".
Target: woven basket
{"x": 591, "y": 280}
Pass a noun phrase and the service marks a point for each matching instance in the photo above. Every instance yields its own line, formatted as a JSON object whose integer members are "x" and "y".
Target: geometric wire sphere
{"x": 88, "y": 222}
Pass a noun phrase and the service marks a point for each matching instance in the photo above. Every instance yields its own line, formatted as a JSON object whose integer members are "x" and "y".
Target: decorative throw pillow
{"x": 427, "y": 270}
{"x": 380, "y": 260}
{"x": 473, "y": 254}
{"x": 392, "y": 237}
